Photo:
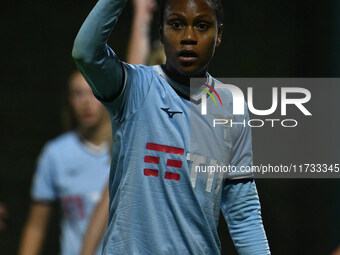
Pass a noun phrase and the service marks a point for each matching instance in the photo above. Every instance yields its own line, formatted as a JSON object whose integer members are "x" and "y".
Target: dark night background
{"x": 261, "y": 39}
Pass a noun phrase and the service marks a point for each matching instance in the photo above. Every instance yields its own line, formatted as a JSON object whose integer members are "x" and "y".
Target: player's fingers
{"x": 146, "y": 5}
{"x": 152, "y": 5}
{"x": 141, "y": 4}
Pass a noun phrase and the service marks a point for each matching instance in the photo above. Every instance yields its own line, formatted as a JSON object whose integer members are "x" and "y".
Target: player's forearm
{"x": 32, "y": 238}
{"x": 97, "y": 62}
{"x": 139, "y": 44}
{"x": 243, "y": 214}
{"x": 92, "y": 37}
{"x": 34, "y": 230}
{"x": 92, "y": 239}
{"x": 97, "y": 226}
{"x": 31, "y": 241}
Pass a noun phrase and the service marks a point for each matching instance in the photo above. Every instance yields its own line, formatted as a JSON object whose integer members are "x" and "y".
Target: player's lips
{"x": 187, "y": 56}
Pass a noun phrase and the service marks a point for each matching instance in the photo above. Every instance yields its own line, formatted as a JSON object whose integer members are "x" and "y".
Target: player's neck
{"x": 180, "y": 78}
{"x": 96, "y": 135}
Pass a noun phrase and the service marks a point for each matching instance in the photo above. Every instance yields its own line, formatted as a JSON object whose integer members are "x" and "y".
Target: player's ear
{"x": 219, "y": 35}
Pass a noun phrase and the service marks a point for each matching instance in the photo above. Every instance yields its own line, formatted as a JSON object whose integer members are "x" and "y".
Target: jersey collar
{"x": 192, "y": 94}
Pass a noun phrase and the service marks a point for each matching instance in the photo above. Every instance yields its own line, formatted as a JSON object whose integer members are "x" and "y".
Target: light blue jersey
{"x": 159, "y": 204}
{"x": 75, "y": 175}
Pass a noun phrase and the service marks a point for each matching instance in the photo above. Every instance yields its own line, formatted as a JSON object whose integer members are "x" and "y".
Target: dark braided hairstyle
{"x": 217, "y": 4}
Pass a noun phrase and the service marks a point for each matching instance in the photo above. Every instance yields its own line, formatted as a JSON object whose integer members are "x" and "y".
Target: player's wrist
{"x": 143, "y": 16}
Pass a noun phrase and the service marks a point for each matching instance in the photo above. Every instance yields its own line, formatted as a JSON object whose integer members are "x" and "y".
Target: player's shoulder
{"x": 140, "y": 74}
{"x": 132, "y": 69}
{"x": 61, "y": 143}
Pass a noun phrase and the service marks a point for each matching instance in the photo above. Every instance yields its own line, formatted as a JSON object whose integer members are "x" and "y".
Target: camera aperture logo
{"x": 304, "y": 96}
{"x": 211, "y": 95}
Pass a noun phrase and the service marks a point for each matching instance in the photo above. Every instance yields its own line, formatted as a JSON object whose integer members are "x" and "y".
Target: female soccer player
{"x": 72, "y": 169}
{"x": 159, "y": 203}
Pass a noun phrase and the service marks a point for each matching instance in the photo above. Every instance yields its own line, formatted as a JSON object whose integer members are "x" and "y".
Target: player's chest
{"x": 165, "y": 118}
{"x": 81, "y": 176}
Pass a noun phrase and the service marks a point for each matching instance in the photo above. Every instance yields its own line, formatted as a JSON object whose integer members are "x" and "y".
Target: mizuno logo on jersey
{"x": 170, "y": 114}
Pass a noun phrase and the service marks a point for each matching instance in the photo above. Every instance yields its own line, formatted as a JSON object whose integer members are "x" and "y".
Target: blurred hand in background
{"x": 145, "y": 8}
{"x": 337, "y": 251}
{"x": 3, "y": 216}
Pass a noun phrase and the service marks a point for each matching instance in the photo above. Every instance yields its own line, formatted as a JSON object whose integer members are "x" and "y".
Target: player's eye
{"x": 202, "y": 26}
{"x": 176, "y": 25}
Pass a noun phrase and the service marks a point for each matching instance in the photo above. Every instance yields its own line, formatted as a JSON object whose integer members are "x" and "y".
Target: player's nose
{"x": 189, "y": 36}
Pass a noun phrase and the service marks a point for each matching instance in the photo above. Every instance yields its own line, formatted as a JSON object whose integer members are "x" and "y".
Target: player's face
{"x": 190, "y": 34}
{"x": 89, "y": 112}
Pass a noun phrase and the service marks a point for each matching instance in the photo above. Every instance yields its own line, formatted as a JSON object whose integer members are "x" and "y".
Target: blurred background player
{"x": 72, "y": 169}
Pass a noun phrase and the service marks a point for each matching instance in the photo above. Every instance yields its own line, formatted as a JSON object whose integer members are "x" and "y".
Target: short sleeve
{"x": 242, "y": 152}
{"x": 137, "y": 83}
{"x": 43, "y": 186}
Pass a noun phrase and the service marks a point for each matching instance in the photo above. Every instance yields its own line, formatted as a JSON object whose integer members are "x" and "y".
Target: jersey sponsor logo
{"x": 170, "y": 113}
{"x": 73, "y": 207}
{"x": 171, "y": 163}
